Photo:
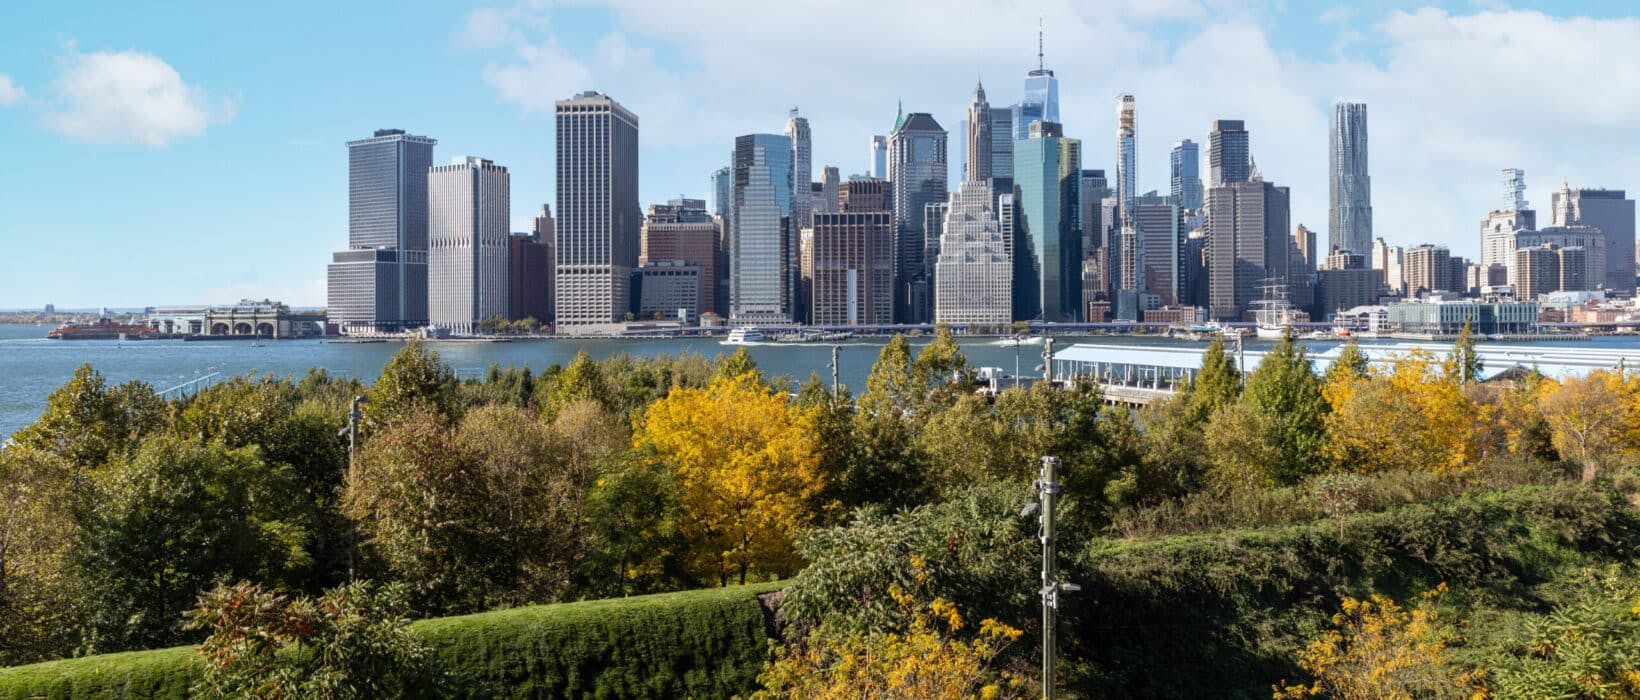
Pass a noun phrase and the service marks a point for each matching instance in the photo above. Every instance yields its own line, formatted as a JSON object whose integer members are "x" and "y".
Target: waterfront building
{"x": 387, "y": 210}
{"x": 1247, "y": 242}
{"x": 973, "y": 275}
{"x": 1447, "y": 317}
{"x": 682, "y": 231}
{"x": 762, "y": 248}
{"x": 1342, "y": 289}
{"x": 879, "y": 157}
{"x": 1186, "y": 175}
{"x": 667, "y": 290}
{"x": 848, "y": 267}
{"x": 1611, "y": 212}
{"x": 1047, "y": 174}
{"x": 1349, "y": 211}
{"x": 599, "y": 220}
{"x": 529, "y": 277}
{"x": 917, "y": 173}
{"x": 797, "y": 130}
{"x": 1229, "y": 154}
{"x": 469, "y": 209}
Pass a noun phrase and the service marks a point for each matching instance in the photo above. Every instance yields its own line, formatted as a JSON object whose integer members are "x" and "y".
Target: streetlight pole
{"x": 835, "y": 351}
{"x": 1047, "y": 485}
{"x": 352, "y": 430}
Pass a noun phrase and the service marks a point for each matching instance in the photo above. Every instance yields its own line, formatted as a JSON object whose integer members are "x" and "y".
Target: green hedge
{"x": 1222, "y": 614}
{"x": 702, "y": 644}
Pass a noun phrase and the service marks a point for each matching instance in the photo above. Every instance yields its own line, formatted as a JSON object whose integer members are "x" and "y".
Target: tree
{"x": 87, "y": 423}
{"x": 1216, "y": 385}
{"x": 1409, "y": 416}
{"x": 1464, "y": 363}
{"x": 352, "y": 642}
{"x": 941, "y": 370}
{"x": 39, "y": 603}
{"x": 1378, "y": 650}
{"x": 736, "y": 364}
{"x": 746, "y": 467}
{"x": 634, "y": 542}
{"x": 1587, "y": 647}
{"x": 1351, "y": 363}
{"x": 165, "y": 524}
{"x": 889, "y": 467}
{"x": 1591, "y": 419}
{"x": 413, "y": 380}
{"x": 1285, "y": 394}
{"x": 582, "y": 380}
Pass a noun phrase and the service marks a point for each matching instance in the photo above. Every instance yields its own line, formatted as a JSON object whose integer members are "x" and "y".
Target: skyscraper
{"x": 387, "y": 211}
{"x": 1247, "y": 242}
{"x": 761, "y": 255}
{"x": 797, "y": 129}
{"x": 848, "y": 267}
{"x": 979, "y": 138}
{"x": 1047, "y": 173}
{"x": 1428, "y": 268}
{"x": 917, "y": 172}
{"x": 879, "y": 157}
{"x": 1124, "y": 157}
{"x": 1612, "y": 212}
{"x": 1349, "y": 212}
{"x": 830, "y": 186}
{"x": 469, "y": 209}
{"x": 598, "y": 214}
{"x": 973, "y": 278}
{"x": 1002, "y": 150}
{"x": 1187, "y": 176}
{"x": 1159, "y": 222}
{"x": 681, "y": 230}
{"x": 1026, "y": 289}
{"x": 1041, "y": 100}
{"x": 723, "y": 188}
{"x": 1229, "y": 158}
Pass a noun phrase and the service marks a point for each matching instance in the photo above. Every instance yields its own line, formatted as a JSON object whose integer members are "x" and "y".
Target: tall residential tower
{"x": 1349, "y": 212}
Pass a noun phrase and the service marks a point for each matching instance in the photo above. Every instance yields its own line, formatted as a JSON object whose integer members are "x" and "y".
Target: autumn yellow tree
{"x": 1407, "y": 416}
{"x": 1378, "y": 650}
{"x": 1591, "y": 419}
{"x": 746, "y": 467}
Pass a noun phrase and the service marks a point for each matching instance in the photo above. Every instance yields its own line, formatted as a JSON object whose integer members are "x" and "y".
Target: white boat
{"x": 1018, "y": 340}
{"x": 1274, "y": 314}
{"x": 745, "y": 335}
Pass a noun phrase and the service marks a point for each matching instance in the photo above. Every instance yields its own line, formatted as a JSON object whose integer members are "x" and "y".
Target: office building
{"x": 1304, "y": 238}
{"x": 1344, "y": 260}
{"x": 1447, "y": 318}
{"x": 802, "y": 159}
{"x": 848, "y": 267}
{"x": 1612, "y": 212}
{"x": 1342, "y": 289}
{"x": 469, "y": 209}
{"x": 1047, "y": 174}
{"x": 599, "y": 219}
{"x": 529, "y": 277}
{"x": 1002, "y": 150}
{"x": 973, "y": 275}
{"x": 1428, "y": 268}
{"x": 1026, "y": 291}
{"x": 1159, "y": 233}
{"x": 917, "y": 173}
{"x": 682, "y": 231}
{"x": 666, "y": 290}
{"x": 1229, "y": 154}
{"x": 1537, "y": 271}
{"x": 978, "y": 165}
{"x": 723, "y": 188}
{"x": 1590, "y": 240}
{"x": 865, "y": 194}
{"x": 879, "y": 156}
{"x": 1247, "y": 242}
{"x": 1186, "y": 175}
{"x": 762, "y": 247}
{"x": 1349, "y": 211}
{"x": 387, "y": 210}
{"x": 933, "y": 228}
{"x": 830, "y": 185}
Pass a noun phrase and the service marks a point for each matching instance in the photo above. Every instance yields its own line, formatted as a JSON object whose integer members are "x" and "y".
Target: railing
{"x": 191, "y": 387}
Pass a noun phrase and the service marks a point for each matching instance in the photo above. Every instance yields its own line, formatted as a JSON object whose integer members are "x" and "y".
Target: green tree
{"x": 39, "y": 602}
{"x": 413, "y": 380}
{"x": 889, "y": 467}
{"x": 582, "y": 380}
{"x": 1216, "y": 385}
{"x": 634, "y": 544}
{"x": 941, "y": 370}
{"x": 87, "y": 423}
{"x": 736, "y": 364}
{"x": 1286, "y": 395}
{"x": 1464, "y": 363}
{"x": 164, "y": 525}
{"x": 1351, "y": 363}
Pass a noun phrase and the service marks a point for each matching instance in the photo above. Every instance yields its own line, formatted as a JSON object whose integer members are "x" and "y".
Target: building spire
{"x": 1039, "y": 64}
{"x": 899, "y": 114}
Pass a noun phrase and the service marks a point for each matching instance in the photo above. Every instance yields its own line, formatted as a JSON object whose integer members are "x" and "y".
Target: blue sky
{"x": 192, "y": 152}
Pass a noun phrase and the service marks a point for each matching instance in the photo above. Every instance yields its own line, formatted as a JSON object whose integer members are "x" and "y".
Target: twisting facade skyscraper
{"x": 1349, "y": 212}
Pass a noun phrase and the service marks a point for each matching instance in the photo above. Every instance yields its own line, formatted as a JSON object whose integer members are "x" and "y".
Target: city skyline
{"x": 117, "y": 167}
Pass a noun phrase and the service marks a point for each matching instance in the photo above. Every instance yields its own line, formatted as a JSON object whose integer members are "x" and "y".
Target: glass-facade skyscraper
{"x": 387, "y": 211}
{"x": 1349, "y": 214}
{"x": 762, "y": 241}
{"x": 1047, "y": 176}
{"x": 918, "y": 174}
{"x": 1186, "y": 176}
{"x": 599, "y": 220}
{"x": 1229, "y": 155}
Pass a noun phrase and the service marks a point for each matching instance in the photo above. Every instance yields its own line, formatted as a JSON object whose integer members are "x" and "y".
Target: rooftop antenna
{"x": 1039, "y": 64}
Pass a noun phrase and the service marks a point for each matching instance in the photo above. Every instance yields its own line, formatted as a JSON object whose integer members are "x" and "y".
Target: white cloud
{"x": 130, "y": 97}
{"x": 1453, "y": 97}
{"x": 10, "y": 93}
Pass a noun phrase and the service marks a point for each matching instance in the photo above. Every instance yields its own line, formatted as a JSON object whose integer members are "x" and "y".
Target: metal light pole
{"x": 352, "y": 430}
{"x": 1047, "y": 360}
{"x": 1047, "y": 485}
{"x": 835, "y": 351}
